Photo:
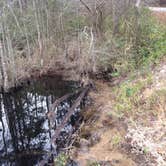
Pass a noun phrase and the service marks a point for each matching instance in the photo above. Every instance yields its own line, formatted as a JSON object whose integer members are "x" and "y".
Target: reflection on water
{"x": 24, "y": 128}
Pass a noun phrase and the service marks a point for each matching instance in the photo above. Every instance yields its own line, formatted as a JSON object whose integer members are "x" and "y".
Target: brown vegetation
{"x": 161, "y": 16}
{"x": 74, "y": 40}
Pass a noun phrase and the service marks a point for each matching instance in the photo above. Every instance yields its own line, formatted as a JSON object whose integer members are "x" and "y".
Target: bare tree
{"x": 96, "y": 15}
{"x": 4, "y": 75}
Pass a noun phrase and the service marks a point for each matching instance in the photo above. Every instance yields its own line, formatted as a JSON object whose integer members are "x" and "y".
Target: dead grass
{"x": 161, "y": 17}
{"x": 75, "y": 63}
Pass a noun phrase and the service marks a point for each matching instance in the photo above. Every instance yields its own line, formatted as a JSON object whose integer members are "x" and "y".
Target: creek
{"x": 25, "y": 129}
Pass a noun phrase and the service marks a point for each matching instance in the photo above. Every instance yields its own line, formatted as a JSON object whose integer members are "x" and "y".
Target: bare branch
{"x": 86, "y": 6}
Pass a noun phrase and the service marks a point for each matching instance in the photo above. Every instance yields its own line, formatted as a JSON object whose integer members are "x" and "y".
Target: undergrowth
{"x": 130, "y": 98}
{"x": 141, "y": 42}
{"x": 128, "y": 95}
{"x": 64, "y": 40}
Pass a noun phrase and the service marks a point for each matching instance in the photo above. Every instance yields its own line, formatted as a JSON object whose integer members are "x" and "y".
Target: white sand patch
{"x": 149, "y": 140}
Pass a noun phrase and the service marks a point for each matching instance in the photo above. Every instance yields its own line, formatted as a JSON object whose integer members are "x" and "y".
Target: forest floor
{"x": 125, "y": 126}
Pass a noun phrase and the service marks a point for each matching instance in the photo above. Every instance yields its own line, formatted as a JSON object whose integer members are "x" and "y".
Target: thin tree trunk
{"x": 11, "y": 57}
{"x": 3, "y": 68}
{"x": 38, "y": 33}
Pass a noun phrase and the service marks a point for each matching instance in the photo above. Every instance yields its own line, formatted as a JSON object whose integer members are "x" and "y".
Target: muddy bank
{"x": 100, "y": 137}
{"x": 60, "y": 69}
{"x": 125, "y": 125}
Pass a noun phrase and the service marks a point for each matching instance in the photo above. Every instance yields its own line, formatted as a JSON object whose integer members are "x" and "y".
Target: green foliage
{"x": 128, "y": 95}
{"x": 116, "y": 140}
{"x": 141, "y": 41}
{"x": 145, "y": 150}
{"x": 61, "y": 160}
{"x": 147, "y": 36}
{"x": 115, "y": 74}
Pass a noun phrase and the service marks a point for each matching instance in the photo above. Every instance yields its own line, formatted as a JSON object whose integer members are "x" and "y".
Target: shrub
{"x": 141, "y": 40}
{"x": 147, "y": 36}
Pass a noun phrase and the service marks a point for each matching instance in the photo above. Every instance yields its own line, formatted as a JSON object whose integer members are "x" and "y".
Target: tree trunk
{"x": 3, "y": 69}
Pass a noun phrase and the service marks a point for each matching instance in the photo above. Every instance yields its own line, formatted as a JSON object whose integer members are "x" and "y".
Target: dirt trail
{"x": 106, "y": 132}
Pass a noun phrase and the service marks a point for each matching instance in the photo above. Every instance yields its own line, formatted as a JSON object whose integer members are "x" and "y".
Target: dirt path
{"x": 106, "y": 132}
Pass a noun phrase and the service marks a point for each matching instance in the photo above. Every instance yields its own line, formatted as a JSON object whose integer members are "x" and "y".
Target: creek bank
{"x": 100, "y": 137}
{"x": 123, "y": 137}
{"x": 38, "y": 74}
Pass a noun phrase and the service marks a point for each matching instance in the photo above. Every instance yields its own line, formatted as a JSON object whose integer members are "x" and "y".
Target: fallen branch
{"x": 51, "y": 114}
{"x": 69, "y": 114}
{"x": 61, "y": 99}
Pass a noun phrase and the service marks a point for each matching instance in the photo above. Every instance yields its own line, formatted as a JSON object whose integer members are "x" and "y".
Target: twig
{"x": 86, "y": 6}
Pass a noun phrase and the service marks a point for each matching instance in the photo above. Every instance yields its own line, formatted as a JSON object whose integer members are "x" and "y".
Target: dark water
{"x": 25, "y": 133}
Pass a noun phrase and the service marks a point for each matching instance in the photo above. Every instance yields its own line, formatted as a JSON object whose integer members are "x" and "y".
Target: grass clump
{"x": 61, "y": 160}
{"x": 155, "y": 103}
{"x": 116, "y": 140}
{"x": 128, "y": 95}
